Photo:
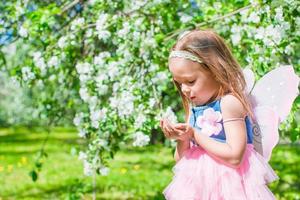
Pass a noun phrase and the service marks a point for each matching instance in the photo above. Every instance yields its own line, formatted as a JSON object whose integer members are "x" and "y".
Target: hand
{"x": 188, "y": 129}
{"x": 174, "y": 131}
{"x": 169, "y": 130}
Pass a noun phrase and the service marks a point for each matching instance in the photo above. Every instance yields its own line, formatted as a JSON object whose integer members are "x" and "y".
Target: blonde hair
{"x": 216, "y": 57}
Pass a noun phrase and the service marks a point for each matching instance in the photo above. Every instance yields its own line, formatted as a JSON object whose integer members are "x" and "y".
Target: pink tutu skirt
{"x": 199, "y": 176}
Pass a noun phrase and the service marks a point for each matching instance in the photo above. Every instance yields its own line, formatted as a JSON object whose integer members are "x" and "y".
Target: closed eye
{"x": 191, "y": 82}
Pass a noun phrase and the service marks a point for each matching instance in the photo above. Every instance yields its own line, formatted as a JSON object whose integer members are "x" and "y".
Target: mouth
{"x": 192, "y": 98}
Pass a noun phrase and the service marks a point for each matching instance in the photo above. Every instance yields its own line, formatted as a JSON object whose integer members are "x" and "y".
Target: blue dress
{"x": 221, "y": 137}
{"x": 200, "y": 175}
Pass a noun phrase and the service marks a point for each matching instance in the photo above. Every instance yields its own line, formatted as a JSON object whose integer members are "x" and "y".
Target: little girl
{"x": 215, "y": 155}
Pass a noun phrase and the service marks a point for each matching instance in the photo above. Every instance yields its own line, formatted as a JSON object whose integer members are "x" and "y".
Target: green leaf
{"x": 33, "y": 174}
{"x": 39, "y": 165}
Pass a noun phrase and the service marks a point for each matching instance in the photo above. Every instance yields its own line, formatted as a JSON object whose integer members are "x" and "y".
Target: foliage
{"x": 107, "y": 61}
{"x": 136, "y": 173}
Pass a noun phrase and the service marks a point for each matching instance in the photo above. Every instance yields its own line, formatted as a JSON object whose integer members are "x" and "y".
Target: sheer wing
{"x": 277, "y": 89}
{"x": 266, "y": 136}
{"x": 271, "y": 98}
{"x": 250, "y": 79}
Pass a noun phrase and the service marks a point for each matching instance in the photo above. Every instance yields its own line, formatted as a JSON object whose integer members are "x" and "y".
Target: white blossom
{"x": 124, "y": 103}
{"x": 170, "y": 115}
{"x": 100, "y": 59}
{"x": 297, "y": 21}
{"x": 62, "y": 42}
{"x": 244, "y": 15}
{"x": 82, "y": 156}
{"x": 273, "y": 35}
{"x": 101, "y": 27}
{"x": 101, "y": 21}
{"x": 152, "y": 102}
{"x": 88, "y": 169}
{"x": 153, "y": 68}
{"x": 40, "y": 62}
{"x": 149, "y": 42}
{"x": 217, "y": 5}
{"x": 254, "y": 17}
{"x": 254, "y": 2}
{"x": 113, "y": 70}
{"x": 160, "y": 77}
{"x": 126, "y": 109}
{"x": 279, "y": 14}
{"x": 102, "y": 89}
{"x": 84, "y": 78}
{"x": 23, "y": 32}
{"x": 77, "y": 23}
{"x": 95, "y": 124}
{"x": 260, "y": 33}
{"x": 84, "y": 68}
{"x": 92, "y": 2}
{"x": 116, "y": 86}
{"x": 140, "y": 120}
{"x": 52, "y": 77}
{"x": 53, "y": 62}
{"x": 89, "y": 33}
{"x": 124, "y": 31}
{"x": 101, "y": 77}
{"x": 19, "y": 9}
{"x": 93, "y": 101}
{"x": 288, "y": 49}
{"x": 104, "y": 171}
{"x": 236, "y": 38}
{"x": 96, "y": 116}
{"x": 27, "y": 74}
{"x": 184, "y": 18}
{"x": 140, "y": 139}
{"x": 104, "y": 35}
{"x": 138, "y": 22}
{"x": 102, "y": 142}
{"x": 84, "y": 94}
{"x": 78, "y": 118}
{"x": 82, "y": 133}
{"x": 136, "y": 35}
{"x": 236, "y": 34}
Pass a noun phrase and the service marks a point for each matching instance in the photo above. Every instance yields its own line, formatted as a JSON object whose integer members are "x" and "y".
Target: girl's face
{"x": 196, "y": 83}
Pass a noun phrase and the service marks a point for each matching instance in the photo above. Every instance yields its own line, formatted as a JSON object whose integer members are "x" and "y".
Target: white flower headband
{"x": 186, "y": 55}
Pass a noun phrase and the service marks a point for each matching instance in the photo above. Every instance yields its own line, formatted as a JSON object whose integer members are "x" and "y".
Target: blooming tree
{"x": 106, "y": 60}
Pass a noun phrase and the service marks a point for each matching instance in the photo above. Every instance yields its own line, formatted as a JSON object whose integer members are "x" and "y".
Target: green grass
{"x": 136, "y": 173}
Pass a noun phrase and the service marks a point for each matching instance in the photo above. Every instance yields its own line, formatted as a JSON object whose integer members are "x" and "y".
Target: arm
{"x": 181, "y": 147}
{"x": 233, "y": 150}
{"x": 183, "y": 140}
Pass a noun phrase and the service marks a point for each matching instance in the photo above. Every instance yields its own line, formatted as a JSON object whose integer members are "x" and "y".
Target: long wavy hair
{"x": 217, "y": 58}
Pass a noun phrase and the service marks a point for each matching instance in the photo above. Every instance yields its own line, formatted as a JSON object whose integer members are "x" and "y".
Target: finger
{"x": 166, "y": 132}
{"x": 170, "y": 126}
{"x": 168, "y": 122}
{"x": 181, "y": 125}
{"x": 180, "y": 133}
{"x": 161, "y": 123}
{"x": 170, "y": 131}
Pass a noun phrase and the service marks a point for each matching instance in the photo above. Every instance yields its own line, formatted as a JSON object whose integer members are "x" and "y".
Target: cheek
{"x": 198, "y": 89}
{"x": 199, "y": 86}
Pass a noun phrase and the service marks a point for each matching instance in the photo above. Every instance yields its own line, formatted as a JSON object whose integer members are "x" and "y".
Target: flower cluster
{"x": 108, "y": 63}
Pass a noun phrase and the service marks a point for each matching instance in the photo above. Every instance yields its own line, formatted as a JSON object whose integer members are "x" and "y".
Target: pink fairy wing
{"x": 249, "y": 78}
{"x": 266, "y": 138}
{"x": 277, "y": 89}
